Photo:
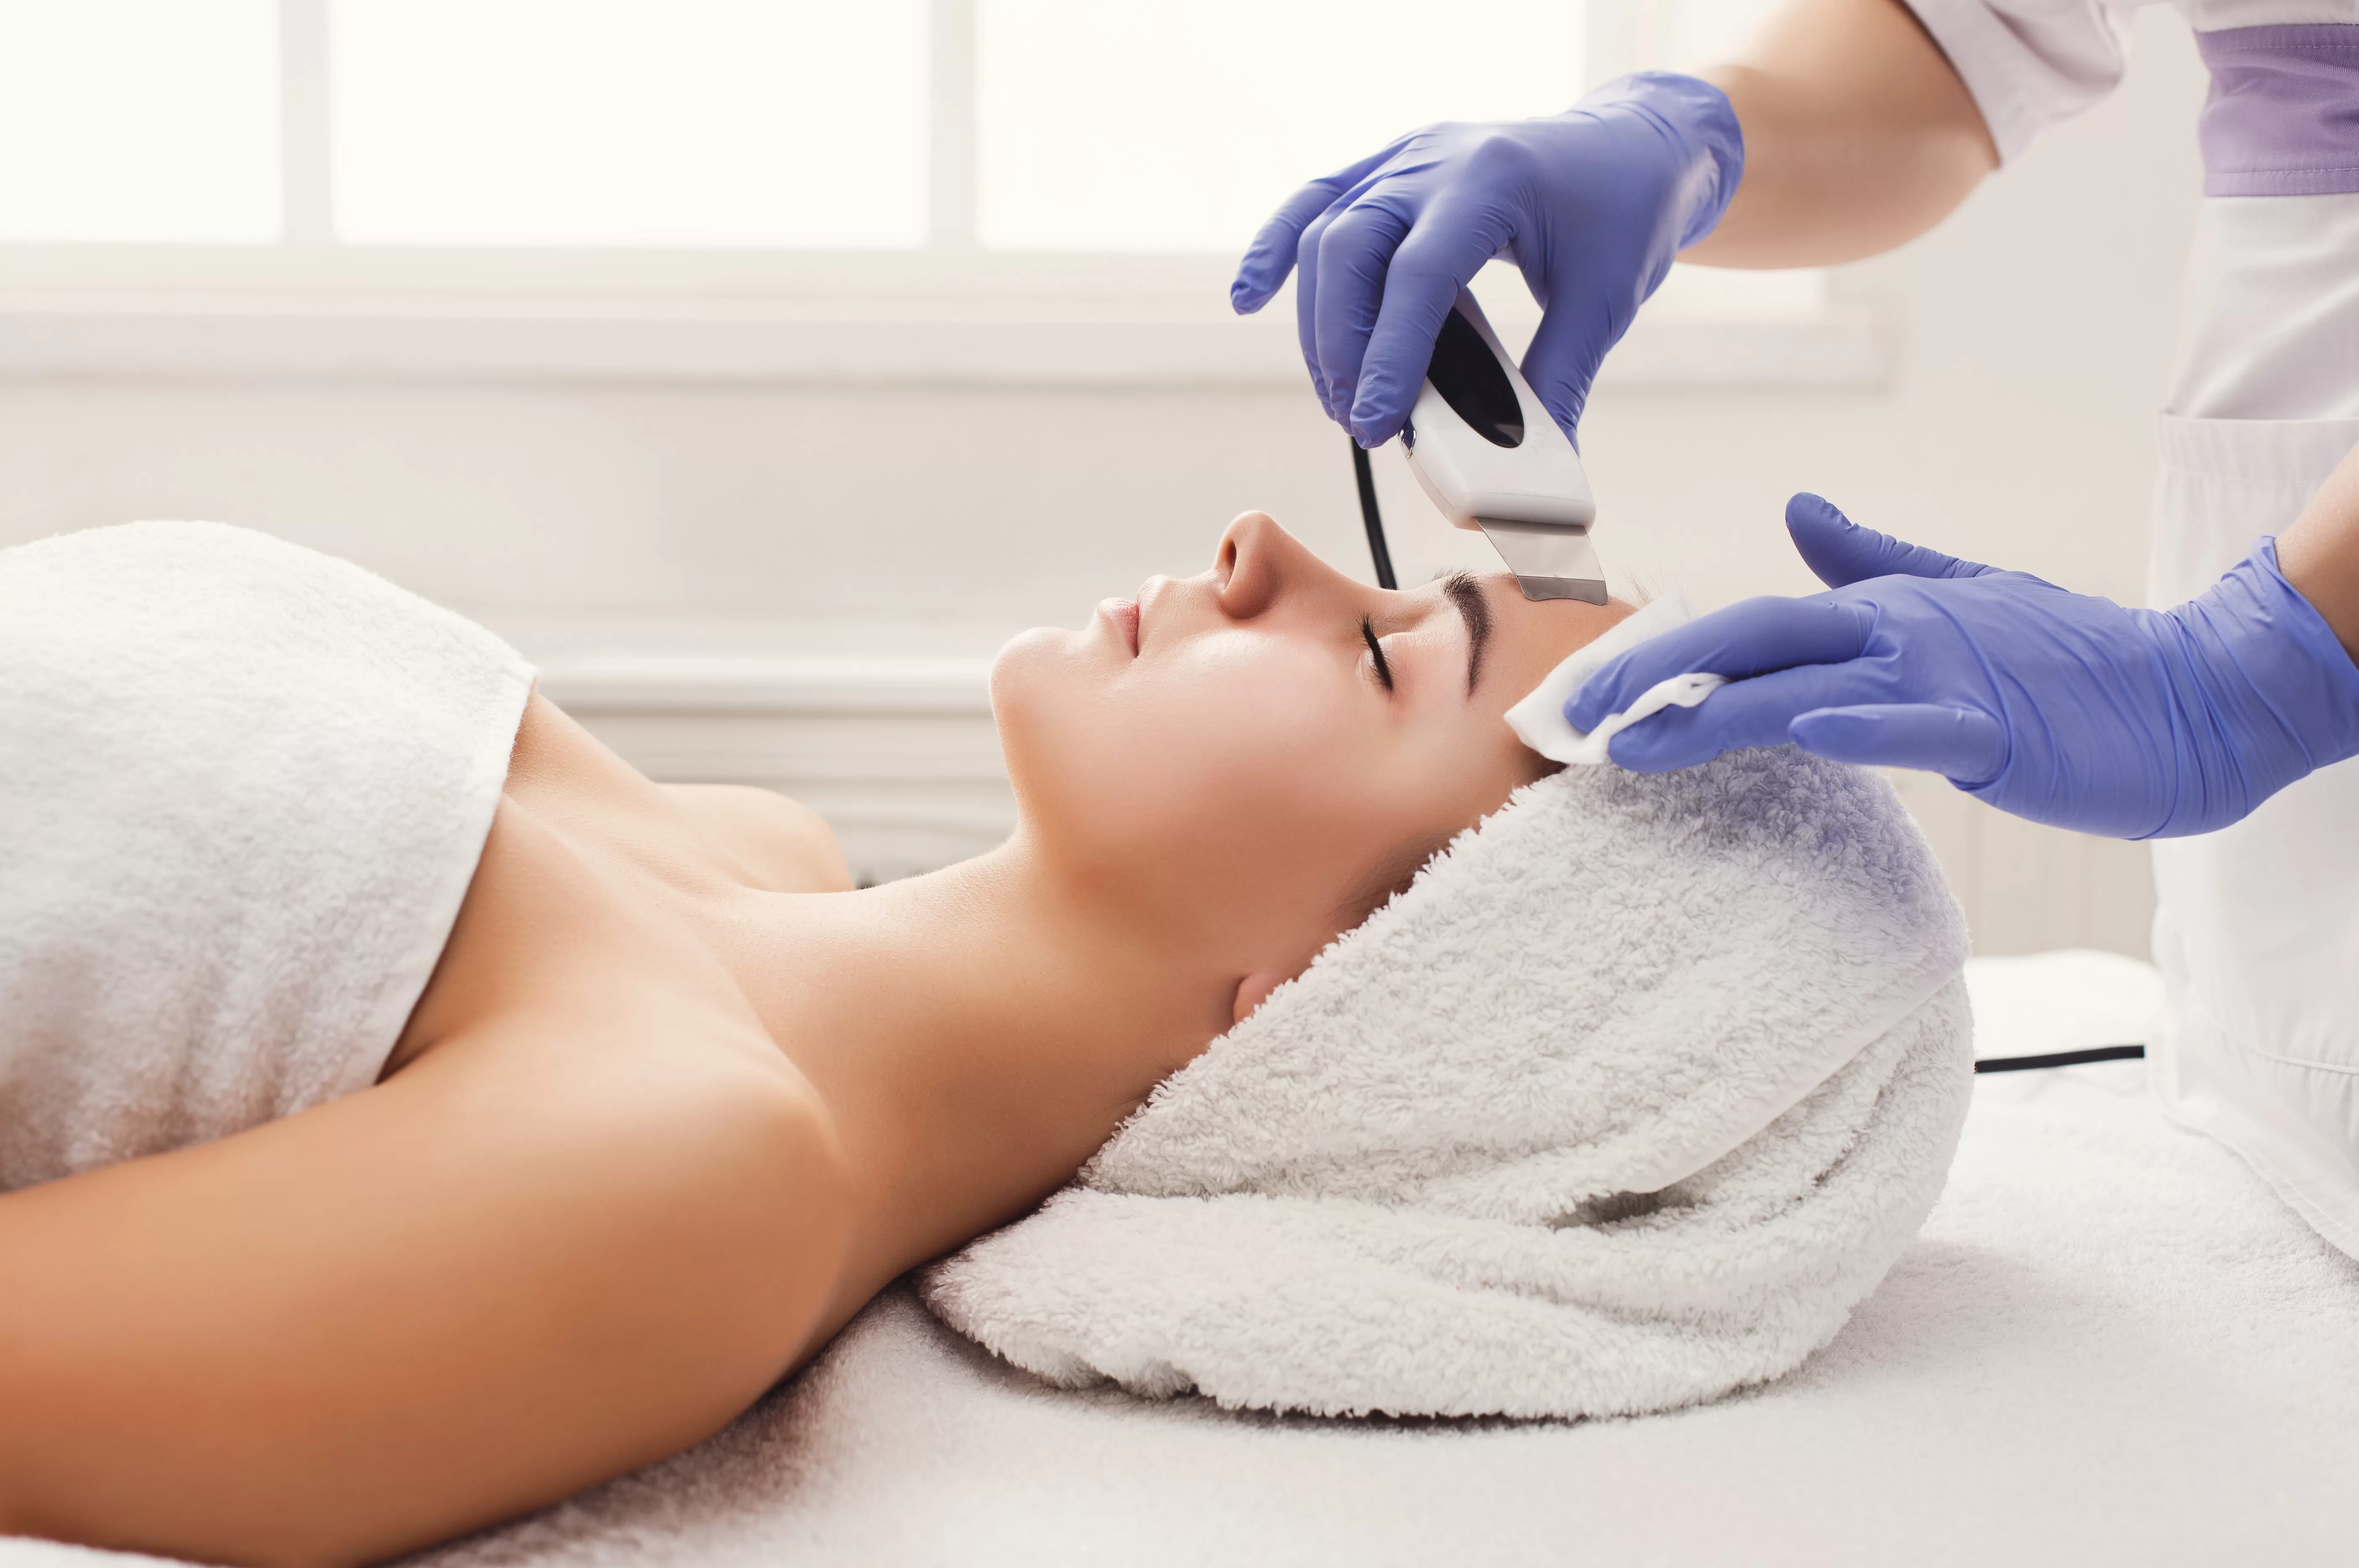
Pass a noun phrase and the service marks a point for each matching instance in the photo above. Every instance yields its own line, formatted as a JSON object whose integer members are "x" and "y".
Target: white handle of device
{"x": 1488, "y": 452}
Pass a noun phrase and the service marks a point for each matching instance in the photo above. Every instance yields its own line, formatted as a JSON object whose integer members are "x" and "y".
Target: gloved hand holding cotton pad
{"x": 1538, "y": 720}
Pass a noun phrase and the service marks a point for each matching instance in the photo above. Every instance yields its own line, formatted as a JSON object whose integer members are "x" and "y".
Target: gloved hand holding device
{"x": 1592, "y": 204}
{"x": 2057, "y": 706}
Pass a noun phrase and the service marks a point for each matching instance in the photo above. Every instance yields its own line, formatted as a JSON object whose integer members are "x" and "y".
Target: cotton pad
{"x": 1538, "y": 720}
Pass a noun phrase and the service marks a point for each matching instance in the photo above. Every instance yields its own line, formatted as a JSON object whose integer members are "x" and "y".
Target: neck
{"x": 976, "y": 1033}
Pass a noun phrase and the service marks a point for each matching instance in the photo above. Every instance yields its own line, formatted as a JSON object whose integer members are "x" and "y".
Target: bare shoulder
{"x": 765, "y": 839}
{"x": 517, "y": 1268}
{"x": 775, "y": 842}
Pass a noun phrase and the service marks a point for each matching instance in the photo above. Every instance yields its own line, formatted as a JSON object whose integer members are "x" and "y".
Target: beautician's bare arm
{"x": 518, "y": 1266}
{"x": 2320, "y": 554}
{"x": 1858, "y": 135}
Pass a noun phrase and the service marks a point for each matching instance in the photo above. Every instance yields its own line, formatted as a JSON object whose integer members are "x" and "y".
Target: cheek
{"x": 1246, "y": 733}
{"x": 1238, "y": 751}
{"x": 1242, "y": 789}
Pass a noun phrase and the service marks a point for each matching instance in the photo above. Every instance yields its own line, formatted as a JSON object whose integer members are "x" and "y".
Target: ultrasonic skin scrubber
{"x": 1484, "y": 448}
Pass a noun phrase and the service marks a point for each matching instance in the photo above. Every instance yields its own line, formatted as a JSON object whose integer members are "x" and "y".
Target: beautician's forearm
{"x": 2320, "y": 554}
{"x": 1858, "y": 136}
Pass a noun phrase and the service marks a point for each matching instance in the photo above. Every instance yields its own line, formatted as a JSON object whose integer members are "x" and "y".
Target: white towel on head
{"x": 1539, "y": 718}
{"x": 1625, "y": 1102}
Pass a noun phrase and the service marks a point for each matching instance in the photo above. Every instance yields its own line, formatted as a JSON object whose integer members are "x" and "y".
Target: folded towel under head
{"x": 1627, "y": 1101}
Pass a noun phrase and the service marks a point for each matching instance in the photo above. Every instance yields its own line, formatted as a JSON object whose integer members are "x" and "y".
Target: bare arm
{"x": 1858, "y": 136}
{"x": 520, "y": 1265}
{"x": 2320, "y": 554}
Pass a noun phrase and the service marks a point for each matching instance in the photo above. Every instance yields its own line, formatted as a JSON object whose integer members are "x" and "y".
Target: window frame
{"x": 311, "y": 306}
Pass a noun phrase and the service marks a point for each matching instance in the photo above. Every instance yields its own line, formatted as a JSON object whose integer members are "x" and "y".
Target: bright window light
{"x": 1179, "y": 125}
{"x": 784, "y": 122}
{"x": 1688, "y": 35}
{"x": 138, "y": 120}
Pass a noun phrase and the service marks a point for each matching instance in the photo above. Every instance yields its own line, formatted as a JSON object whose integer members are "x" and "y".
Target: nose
{"x": 1258, "y": 561}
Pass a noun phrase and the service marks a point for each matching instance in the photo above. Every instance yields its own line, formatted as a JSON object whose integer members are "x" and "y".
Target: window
{"x": 926, "y": 190}
{"x": 629, "y": 121}
{"x": 1149, "y": 127}
{"x": 1179, "y": 125}
{"x": 139, "y": 120}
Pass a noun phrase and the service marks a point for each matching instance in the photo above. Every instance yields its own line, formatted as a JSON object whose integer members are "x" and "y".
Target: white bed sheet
{"x": 2111, "y": 1344}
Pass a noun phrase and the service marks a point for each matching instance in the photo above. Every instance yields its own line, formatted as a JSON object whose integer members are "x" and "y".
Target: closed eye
{"x": 1376, "y": 651}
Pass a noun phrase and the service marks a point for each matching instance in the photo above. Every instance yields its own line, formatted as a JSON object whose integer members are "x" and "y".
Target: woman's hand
{"x": 1592, "y": 204}
{"x": 2060, "y": 707}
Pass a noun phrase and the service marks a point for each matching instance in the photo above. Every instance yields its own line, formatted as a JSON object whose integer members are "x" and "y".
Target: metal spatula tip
{"x": 1588, "y": 589}
{"x": 1550, "y": 560}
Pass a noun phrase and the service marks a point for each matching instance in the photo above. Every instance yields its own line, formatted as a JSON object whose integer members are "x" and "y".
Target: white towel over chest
{"x": 242, "y": 791}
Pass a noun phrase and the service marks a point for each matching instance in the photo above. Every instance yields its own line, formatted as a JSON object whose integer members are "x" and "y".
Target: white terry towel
{"x": 1625, "y": 1102}
{"x": 244, "y": 787}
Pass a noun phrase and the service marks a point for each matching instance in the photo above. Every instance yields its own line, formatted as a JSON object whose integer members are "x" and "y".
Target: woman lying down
{"x": 409, "y": 1113}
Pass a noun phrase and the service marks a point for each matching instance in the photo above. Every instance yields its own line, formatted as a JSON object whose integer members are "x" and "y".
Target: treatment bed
{"x": 2110, "y": 1344}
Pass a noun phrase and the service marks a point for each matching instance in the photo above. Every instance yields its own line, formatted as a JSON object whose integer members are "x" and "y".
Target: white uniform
{"x": 2257, "y": 930}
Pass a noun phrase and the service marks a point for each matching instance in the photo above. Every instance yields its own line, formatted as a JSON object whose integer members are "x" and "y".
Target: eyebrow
{"x": 1466, "y": 594}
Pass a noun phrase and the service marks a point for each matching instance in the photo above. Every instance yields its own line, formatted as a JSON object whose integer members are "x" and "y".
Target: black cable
{"x": 1366, "y": 475}
{"x": 2061, "y": 1059}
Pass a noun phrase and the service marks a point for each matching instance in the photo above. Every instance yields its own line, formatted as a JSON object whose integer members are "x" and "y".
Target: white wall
{"x": 2032, "y": 340}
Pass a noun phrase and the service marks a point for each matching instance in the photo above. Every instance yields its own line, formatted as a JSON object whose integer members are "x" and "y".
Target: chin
{"x": 1044, "y": 663}
{"x": 1041, "y": 683}
{"x": 1071, "y": 743}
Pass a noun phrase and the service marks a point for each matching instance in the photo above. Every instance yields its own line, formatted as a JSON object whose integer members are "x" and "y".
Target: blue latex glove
{"x": 1592, "y": 204}
{"x": 2057, "y": 706}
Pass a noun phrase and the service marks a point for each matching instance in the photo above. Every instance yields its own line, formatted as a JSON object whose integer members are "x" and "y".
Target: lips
{"x": 1123, "y": 616}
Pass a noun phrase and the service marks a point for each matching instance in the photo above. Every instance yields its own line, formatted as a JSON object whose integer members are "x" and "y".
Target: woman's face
{"x": 1229, "y": 754}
